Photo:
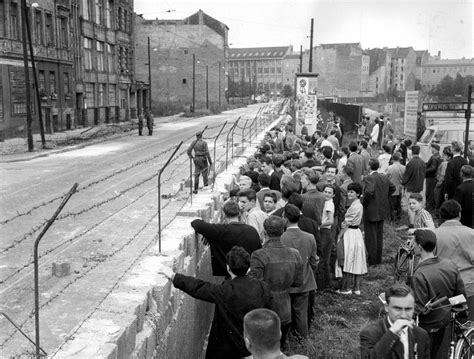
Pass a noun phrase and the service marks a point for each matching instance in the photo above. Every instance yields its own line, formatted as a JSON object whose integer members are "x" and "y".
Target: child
{"x": 423, "y": 218}
{"x": 327, "y": 220}
{"x": 351, "y": 245}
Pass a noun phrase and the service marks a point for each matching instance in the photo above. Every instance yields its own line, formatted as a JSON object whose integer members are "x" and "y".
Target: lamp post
{"x": 149, "y": 74}
{"x": 219, "y": 84}
{"x": 29, "y": 133}
{"x": 207, "y": 87}
{"x": 194, "y": 82}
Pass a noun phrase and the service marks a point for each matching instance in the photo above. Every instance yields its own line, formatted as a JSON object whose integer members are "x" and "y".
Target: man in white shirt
{"x": 250, "y": 213}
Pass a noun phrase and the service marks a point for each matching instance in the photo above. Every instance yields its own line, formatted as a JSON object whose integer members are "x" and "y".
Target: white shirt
{"x": 328, "y": 207}
{"x": 325, "y": 143}
{"x": 375, "y": 133}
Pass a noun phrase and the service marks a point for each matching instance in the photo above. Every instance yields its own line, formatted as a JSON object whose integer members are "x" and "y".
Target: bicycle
{"x": 461, "y": 345}
{"x": 405, "y": 261}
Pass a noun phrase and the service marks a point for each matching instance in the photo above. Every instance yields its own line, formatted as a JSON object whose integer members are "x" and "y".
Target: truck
{"x": 442, "y": 127}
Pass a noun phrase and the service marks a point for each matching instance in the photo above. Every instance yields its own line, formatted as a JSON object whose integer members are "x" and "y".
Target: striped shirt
{"x": 423, "y": 219}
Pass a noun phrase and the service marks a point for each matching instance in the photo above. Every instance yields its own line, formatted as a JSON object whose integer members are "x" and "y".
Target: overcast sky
{"x": 436, "y": 25}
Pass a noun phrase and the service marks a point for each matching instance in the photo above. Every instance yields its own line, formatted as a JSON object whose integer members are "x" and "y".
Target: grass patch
{"x": 338, "y": 319}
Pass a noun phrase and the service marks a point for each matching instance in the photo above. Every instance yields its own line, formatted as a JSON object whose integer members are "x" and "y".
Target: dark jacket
{"x": 222, "y": 237}
{"x": 275, "y": 179}
{"x": 356, "y": 162}
{"x": 306, "y": 245}
{"x": 200, "y": 150}
{"x": 452, "y": 178}
{"x": 311, "y": 226}
{"x": 377, "y": 190}
{"x": 313, "y": 204}
{"x": 432, "y": 165}
{"x": 415, "y": 173}
{"x": 433, "y": 279}
{"x": 282, "y": 268}
{"x": 233, "y": 299}
{"x": 378, "y": 342}
{"x": 463, "y": 195}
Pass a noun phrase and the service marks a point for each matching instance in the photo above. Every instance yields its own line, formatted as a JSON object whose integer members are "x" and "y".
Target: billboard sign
{"x": 306, "y": 101}
{"x": 411, "y": 113}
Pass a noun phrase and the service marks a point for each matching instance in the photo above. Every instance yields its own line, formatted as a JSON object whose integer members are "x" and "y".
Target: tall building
{"x": 50, "y": 32}
{"x": 173, "y": 75}
{"x": 435, "y": 69}
{"x": 343, "y": 69}
{"x": 260, "y": 69}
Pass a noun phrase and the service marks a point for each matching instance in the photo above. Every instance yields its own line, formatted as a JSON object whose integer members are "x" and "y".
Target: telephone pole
{"x": 301, "y": 58}
{"x": 311, "y": 47}
{"x": 29, "y": 132}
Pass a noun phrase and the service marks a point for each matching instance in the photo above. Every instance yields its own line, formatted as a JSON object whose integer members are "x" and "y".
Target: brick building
{"x": 172, "y": 46}
{"x": 50, "y": 29}
{"x": 435, "y": 69}
{"x": 261, "y": 69}
{"x": 343, "y": 69}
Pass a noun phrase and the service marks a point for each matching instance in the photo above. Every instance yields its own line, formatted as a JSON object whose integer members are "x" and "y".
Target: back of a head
{"x": 278, "y": 160}
{"x": 415, "y": 150}
{"x": 426, "y": 238}
{"x": 450, "y": 209}
{"x": 309, "y": 153}
{"x": 274, "y": 226}
{"x": 264, "y": 180}
{"x": 386, "y": 148}
{"x": 467, "y": 171}
{"x": 313, "y": 176}
{"x": 398, "y": 290}
{"x": 348, "y": 170}
{"x": 363, "y": 144}
{"x": 262, "y": 330}
{"x": 353, "y": 146}
{"x": 345, "y": 150}
{"x": 296, "y": 199}
{"x": 249, "y": 193}
{"x": 231, "y": 209}
{"x": 292, "y": 213}
{"x": 238, "y": 260}
{"x": 288, "y": 186}
{"x": 374, "y": 164}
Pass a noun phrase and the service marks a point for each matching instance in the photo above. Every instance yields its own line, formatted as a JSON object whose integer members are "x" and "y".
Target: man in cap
{"x": 431, "y": 170}
{"x": 201, "y": 159}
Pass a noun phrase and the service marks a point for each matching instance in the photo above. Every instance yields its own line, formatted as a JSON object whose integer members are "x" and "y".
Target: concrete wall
{"x": 145, "y": 316}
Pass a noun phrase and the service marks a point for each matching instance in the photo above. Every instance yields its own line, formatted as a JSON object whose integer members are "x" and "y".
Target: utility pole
{"x": 220, "y": 84}
{"x": 194, "y": 82}
{"x": 311, "y": 47}
{"x": 468, "y": 119}
{"x": 301, "y": 58}
{"x": 207, "y": 87}
{"x": 35, "y": 78}
{"x": 149, "y": 73}
{"x": 29, "y": 132}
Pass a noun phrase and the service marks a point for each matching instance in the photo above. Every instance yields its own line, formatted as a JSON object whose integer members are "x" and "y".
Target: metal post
{"x": 243, "y": 132}
{"x": 149, "y": 74}
{"x": 29, "y": 133}
{"x": 227, "y": 142}
{"x": 194, "y": 83}
{"x": 220, "y": 84}
{"x": 159, "y": 193}
{"x": 207, "y": 87}
{"x": 214, "y": 159}
{"x": 22, "y": 332}
{"x": 468, "y": 120}
{"x": 35, "y": 256}
{"x": 233, "y": 137}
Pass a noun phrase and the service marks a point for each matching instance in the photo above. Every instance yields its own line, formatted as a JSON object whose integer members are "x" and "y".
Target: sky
{"x": 435, "y": 25}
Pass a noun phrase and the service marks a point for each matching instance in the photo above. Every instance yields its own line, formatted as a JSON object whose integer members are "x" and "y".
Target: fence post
{"x": 214, "y": 159}
{"x": 243, "y": 132}
{"x": 35, "y": 254}
{"x": 159, "y": 193}
{"x": 227, "y": 142}
{"x": 233, "y": 137}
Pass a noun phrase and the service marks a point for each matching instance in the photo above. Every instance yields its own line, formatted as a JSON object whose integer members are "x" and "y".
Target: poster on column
{"x": 411, "y": 113}
{"x": 306, "y": 102}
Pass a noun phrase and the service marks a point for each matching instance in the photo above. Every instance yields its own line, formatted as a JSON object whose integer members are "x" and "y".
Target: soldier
{"x": 149, "y": 122}
{"x": 140, "y": 123}
{"x": 201, "y": 159}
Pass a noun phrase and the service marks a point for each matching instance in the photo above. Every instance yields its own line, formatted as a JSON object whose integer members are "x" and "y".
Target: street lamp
{"x": 194, "y": 83}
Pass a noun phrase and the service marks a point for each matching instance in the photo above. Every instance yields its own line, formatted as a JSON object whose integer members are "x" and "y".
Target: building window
{"x": 101, "y": 98}
{"x": 86, "y": 10}
{"x": 52, "y": 82}
{"x": 109, "y": 11}
{"x": 278, "y": 70}
{"x": 100, "y": 55}
{"x": 41, "y": 80}
{"x": 63, "y": 35}
{"x": 3, "y": 21}
{"x": 186, "y": 52}
{"x": 66, "y": 83}
{"x": 112, "y": 95}
{"x": 89, "y": 100}
{"x": 14, "y": 21}
{"x": 99, "y": 12}
{"x": 49, "y": 29}
{"x": 38, "y": 27}
{"x": 123, "y": 98}
{"x": 87, "y": 53}
{"x": 110, "y": 58}
{"x": 184, "y": 81}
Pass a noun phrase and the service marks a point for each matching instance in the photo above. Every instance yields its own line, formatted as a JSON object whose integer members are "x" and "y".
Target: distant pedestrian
{"x": 149, "y": 122}
{"x": 356, "y": 162}
{"x": 202, "y": 160}
{"x": 452, "y": 178}
{"x": 140, "y": 123}
{"x": 431, "y": 170}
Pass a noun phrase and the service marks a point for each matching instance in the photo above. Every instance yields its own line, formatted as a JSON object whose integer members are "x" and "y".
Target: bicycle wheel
{"x": 403, "y": 266}
{"x": 465, "y": 346}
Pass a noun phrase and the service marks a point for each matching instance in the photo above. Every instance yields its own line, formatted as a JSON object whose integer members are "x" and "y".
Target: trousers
{"x": 323, "y": 277}
{"x": 299, "y": 313}
{"x": 200, "y": 167}
{"x": 373, "y": 239}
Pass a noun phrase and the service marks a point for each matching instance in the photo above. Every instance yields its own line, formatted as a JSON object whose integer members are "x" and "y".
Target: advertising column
{"x": 411, "y": 114}
{"x": 306, "y": 102}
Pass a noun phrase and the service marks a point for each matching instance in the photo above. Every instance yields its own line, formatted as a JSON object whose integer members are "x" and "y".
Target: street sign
{"x": 450, "y": 106}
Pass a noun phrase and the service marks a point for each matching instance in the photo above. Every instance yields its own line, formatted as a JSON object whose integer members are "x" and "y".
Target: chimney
{"x": 439, "y": 54}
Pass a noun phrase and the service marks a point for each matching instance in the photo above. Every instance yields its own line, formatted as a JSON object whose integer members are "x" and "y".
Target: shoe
{"x": 344, "y": 292}
{"x": 195, "y": 191}
{"x": 356, "y": 292}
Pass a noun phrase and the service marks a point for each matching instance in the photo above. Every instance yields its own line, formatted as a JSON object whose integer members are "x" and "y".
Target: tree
{"x": 391, "y": 92}
{"x": 458, "y": 85}
{"x": 287, "y": 91}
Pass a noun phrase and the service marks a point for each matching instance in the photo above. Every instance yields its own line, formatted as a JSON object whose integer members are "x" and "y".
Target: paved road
{"x": 102, "y": 231}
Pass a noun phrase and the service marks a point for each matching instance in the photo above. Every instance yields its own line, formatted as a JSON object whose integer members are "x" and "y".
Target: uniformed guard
{"x": 149, "y": 122}
{"x": 202, "y": 160}
{"x": 140, "y": 123}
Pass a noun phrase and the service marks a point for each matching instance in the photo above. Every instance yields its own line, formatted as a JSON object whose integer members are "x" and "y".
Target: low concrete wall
{"x": 145, "y": 316}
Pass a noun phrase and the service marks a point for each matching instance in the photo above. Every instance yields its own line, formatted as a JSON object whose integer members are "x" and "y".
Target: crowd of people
{"x": 307, "y": 213}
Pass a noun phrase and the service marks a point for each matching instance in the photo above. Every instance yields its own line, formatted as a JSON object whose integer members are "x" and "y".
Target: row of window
{"x": 260, "y": 71}
{"x": 104, "y": 56}
{"x": 258, "y": 64}
{"x": 105, "y": 96}
{"x": 102, "y": 13}
{"x": 444, "y": 70}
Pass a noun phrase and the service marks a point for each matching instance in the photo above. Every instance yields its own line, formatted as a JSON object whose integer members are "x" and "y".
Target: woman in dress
{"x": 352, "y": 253}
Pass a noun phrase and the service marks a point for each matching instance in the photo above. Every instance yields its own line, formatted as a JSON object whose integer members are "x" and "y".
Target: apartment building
{"x": 435, "y": 69}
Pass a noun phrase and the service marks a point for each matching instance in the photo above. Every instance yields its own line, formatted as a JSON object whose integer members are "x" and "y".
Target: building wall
{"x": 172, "y": 45}
{"x": 434, "y": 71}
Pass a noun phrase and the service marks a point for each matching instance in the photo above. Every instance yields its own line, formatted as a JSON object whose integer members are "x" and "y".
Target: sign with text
{"x": 306, "y": 101}
{"x": 453, "y": 106}
{"x": 411, "y": 113}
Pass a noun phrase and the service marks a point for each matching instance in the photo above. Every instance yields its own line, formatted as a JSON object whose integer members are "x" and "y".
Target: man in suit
{"x": 395, "y": 173}
{"x": 233, "y": 299}
{"x": 452, "y": 177}
{"x": 431, "y": 170}
{"x": 306, "y": 245}
{"x": 395, "y": 336}
{"x": 223, "y": 236}
{"x": 377, "y": 190}
{"x": 463, "y": 195}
